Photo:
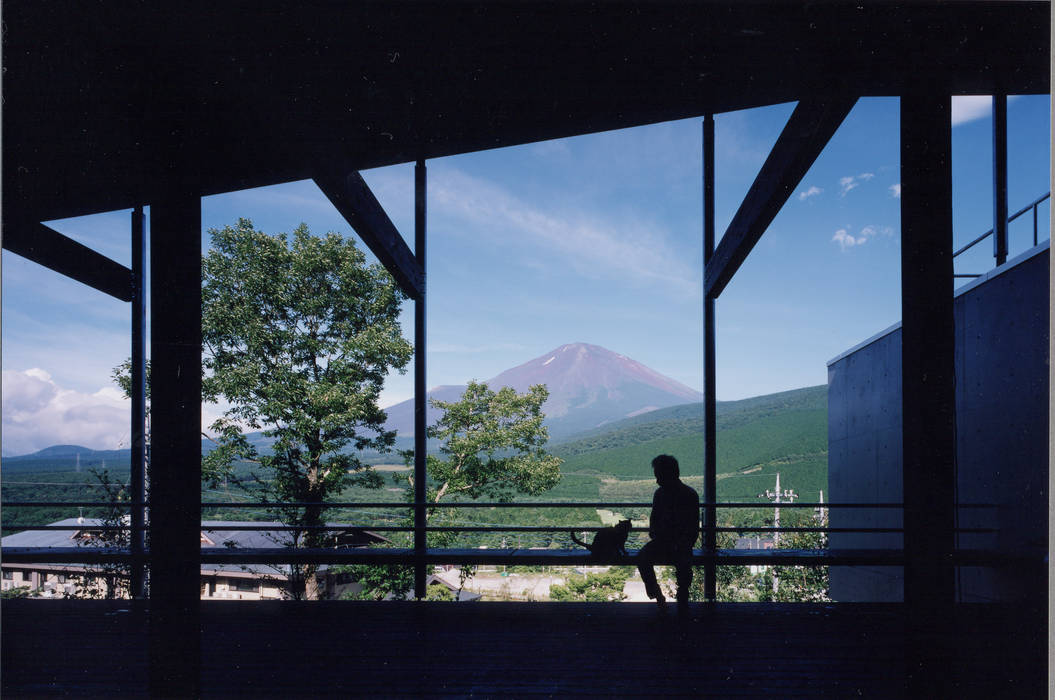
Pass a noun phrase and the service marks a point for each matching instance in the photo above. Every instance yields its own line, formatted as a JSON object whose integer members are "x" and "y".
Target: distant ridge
{"x": 589, "y": 386}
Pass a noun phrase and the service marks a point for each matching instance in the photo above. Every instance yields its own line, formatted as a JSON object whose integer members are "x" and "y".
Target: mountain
{"x": 72, "y": 458}
{"x": 589, "y": 386}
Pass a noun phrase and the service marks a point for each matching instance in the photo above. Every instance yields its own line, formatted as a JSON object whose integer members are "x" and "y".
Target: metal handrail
{"x": 1032, "y": 206}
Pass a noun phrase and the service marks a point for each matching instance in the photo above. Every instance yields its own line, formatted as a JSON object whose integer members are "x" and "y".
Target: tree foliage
{"x": 794, "y": 584}
{"x": 298, "y": 336}
{"x": 108, "y": 580}
{"x": 493, "y": 444}
{"x": 602, "y": 587}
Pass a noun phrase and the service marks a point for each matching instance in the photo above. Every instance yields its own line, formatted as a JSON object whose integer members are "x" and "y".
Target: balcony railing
{"x": 516, "y": 555}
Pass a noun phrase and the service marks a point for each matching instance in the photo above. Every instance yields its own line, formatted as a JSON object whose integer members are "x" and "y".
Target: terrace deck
{"x": 302, "y": 649}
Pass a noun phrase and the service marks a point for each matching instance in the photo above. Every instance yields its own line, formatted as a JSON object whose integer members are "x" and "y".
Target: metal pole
{"x": 420, "y": 396}
{"x": 1000, "y": 178}
{"x": 137, "y": 478}
{"x": 710, "y": 460}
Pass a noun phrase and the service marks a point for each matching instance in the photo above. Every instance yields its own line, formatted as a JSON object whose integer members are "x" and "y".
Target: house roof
{"x": 211, "y": 528}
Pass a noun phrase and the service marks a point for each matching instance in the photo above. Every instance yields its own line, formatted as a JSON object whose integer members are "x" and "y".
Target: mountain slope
{"x": 757, "y": 437}
{"x": 589, "y": 386}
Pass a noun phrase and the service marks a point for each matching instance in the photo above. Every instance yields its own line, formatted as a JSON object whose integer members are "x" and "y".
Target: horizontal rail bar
{"x": 72, "y": 504}
{"x": 75, "y": 528}
{"x": 865, "y": 530}
{"x": 307, "y": 504}
{"x": 408, "y": 506}
{"x": 770, "y": 504}
{"x": 811, "y": 529}
{"x": 556, "y": 557}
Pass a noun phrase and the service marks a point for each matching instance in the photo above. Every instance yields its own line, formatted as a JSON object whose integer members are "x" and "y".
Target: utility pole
{"x": 789, "y": 496}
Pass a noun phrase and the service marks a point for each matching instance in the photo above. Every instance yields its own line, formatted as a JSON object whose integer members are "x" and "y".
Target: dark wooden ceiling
{"x": 107, "y": 105}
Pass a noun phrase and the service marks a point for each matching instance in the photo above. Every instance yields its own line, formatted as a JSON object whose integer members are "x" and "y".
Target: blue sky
{"x": 594, "y": 239}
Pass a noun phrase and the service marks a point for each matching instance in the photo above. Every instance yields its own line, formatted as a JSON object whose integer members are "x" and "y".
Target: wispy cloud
{"x": 812, "y": 191}
{"x": 593, "y": 246}
{"x": 895, "y": 191}
{"x": 852, "y": 181}
{"x": 847, "y": 240}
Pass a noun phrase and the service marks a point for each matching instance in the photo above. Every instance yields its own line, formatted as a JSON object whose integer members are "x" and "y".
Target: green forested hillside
{"x": 757, "y": 437}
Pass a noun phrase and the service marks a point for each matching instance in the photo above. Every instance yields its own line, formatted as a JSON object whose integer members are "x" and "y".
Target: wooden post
{"x": 137, "y": 474}
{"x": 420, "y": 390}
{"x": 710, "y": 459}
{"x": 928, "y": 377}
{"x": 175, "y": 470}
{"x": 1000, "y": 178}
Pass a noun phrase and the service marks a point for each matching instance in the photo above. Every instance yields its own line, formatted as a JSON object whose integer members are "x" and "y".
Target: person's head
{"x": 666, "y": 469}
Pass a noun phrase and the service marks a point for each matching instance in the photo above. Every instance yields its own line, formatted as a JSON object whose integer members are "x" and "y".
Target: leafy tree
{"x": 298, "y": 337}
{"x": 109, "y": 580}
{"x": 379, "y": 580}
{"x": 19, "y": 592}
{"x": 600, "y": 588}
{"x": 794, "y": 583}
{"x": 493, "y": 445}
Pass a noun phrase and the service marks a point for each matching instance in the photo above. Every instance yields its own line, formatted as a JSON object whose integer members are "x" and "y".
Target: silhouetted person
{"x": 673, "y": 527}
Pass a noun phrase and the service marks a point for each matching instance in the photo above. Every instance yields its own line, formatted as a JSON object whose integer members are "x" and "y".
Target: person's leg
{"x": 646, "y": 557}
{"x": 683, "y": 569}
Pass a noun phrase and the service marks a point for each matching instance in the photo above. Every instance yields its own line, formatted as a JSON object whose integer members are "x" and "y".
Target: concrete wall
{"x": 1002, "y": 436}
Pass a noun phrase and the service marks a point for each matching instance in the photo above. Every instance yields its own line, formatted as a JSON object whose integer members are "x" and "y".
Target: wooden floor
{"x": 287, "y": 649}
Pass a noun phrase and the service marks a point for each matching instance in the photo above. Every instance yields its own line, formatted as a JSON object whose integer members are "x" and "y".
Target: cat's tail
{"x": 577, "y": 541}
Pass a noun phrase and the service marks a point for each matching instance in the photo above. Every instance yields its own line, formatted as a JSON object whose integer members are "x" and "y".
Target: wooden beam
{"x": 46, "y": 246}
{"x": 807, "y": 132}
{"x": 357, "y": 204}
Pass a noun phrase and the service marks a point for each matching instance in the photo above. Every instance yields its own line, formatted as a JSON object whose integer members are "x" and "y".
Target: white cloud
{"x": 968, "y": 108}
{"x": 971, "y": 107}
{"x": 851, "y": 181}
{"x": 811, "y": 192}
{"x": 593, "y": 247}
{"x": 39, "y": 413}
{"x": 847, "y": 240}
{"x": 895, "y": 191}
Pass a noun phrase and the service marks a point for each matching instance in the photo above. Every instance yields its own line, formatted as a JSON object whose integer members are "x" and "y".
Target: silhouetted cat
{"x": 609, "y": 542}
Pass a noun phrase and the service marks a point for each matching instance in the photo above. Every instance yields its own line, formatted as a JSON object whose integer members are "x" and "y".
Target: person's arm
{"x": 688, "y": 520}
{"x": 656, "y": 511}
